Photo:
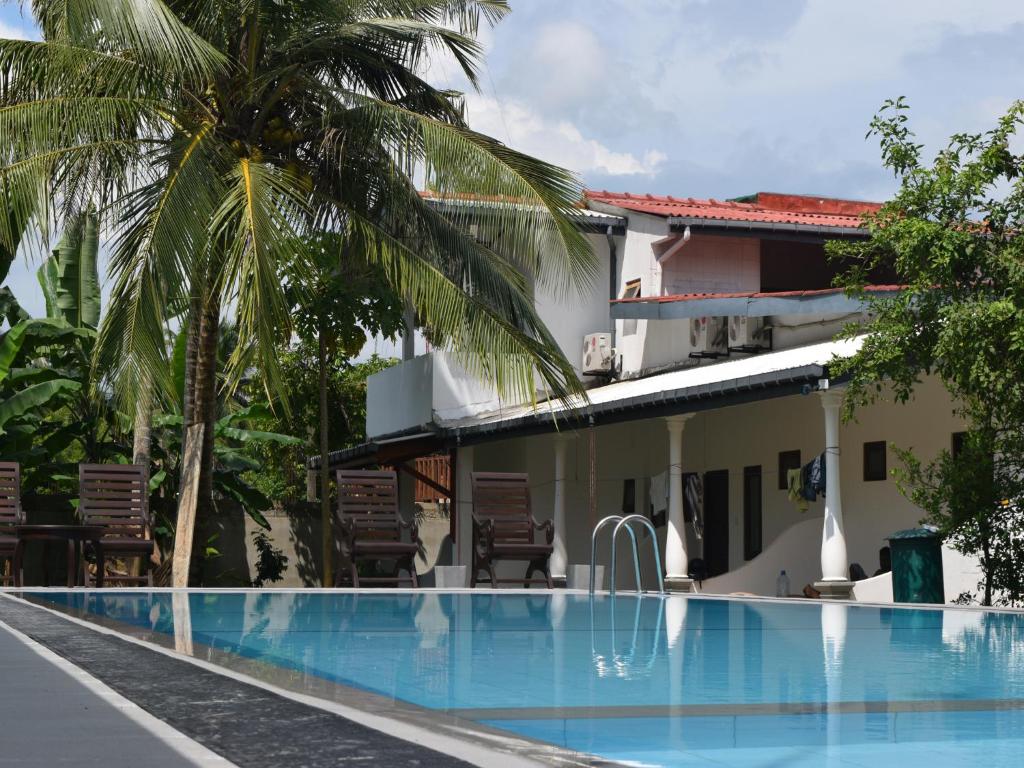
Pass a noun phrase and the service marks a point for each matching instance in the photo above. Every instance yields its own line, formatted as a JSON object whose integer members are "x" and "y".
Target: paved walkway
{"x": 50, "y": 717}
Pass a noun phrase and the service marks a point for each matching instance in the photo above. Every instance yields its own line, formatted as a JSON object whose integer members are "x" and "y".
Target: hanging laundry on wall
{"x": 794, "y": 484}
{"x": 807, "y": 483}
{"x": 812, "y": 478}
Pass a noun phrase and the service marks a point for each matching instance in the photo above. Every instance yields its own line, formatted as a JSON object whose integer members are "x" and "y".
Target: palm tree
{"x": 220, "y": 137}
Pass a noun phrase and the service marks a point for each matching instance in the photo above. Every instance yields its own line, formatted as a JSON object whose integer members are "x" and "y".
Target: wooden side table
{"x": 73, "y": 536}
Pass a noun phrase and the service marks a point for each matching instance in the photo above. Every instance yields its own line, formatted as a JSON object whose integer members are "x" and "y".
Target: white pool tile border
{"x": 190, "y": 750}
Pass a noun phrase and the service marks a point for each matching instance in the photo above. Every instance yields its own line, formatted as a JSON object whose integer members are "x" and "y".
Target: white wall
{"x": 456, "y": 394}
{"x": 400, "y": 397}
{"x": 789, "y": 331}
{"x": 422, "y": 390}
{"x": 570, "y": 317}
{"x": 636, "y": 261}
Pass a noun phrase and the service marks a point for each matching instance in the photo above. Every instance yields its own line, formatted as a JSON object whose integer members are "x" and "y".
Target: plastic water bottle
{"x": 782, "y": 585}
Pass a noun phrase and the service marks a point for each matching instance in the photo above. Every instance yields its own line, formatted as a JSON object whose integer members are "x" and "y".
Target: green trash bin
{"x": 917, "y": 566}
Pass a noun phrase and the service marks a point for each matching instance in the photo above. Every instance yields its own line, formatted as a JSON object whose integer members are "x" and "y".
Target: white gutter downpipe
{"x": 676, "y": 247}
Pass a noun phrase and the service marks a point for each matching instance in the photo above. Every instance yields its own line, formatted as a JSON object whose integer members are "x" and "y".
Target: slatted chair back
{"x": 116, "y": 498}
{"x": 503, "y": 498}
{"x": 11, "y": 512}
{"x": 368, "y": 501}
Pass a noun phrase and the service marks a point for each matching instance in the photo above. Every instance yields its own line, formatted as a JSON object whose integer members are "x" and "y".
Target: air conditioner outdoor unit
{"x": 598, "y": 355}
{"x": 745, "y": 331}
{"x": 707, "y": 335}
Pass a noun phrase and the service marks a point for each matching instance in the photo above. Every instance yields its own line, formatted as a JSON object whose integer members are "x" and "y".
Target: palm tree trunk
{"x": 205, "y": 412}
{"x": 142, "y": 439}
{"x": 191, "y": 355}
{"x": 326, "y": 518}
{"x": 143, "y": 433}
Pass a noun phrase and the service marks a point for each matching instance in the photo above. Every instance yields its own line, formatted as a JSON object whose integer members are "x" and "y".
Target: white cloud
{"x": 565, "y": 66}
{"x": 557, "y": 141}
{"x": 12, "y": 32}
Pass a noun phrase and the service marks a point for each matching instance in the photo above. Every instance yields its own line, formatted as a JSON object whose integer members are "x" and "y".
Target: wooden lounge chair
{"x": 11, "y": 514}
{"x": 371, "y": 526}
{"x": 116, "y": 498}
{"x": 504, "y": 528}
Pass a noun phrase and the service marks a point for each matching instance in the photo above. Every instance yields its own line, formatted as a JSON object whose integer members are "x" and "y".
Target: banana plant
{"x": 232, "y": 461}
{"x": 28, "y": 392}
{"x": 70, "y": 278}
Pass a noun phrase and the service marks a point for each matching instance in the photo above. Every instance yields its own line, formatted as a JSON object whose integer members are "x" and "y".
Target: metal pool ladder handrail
{"x": 625, "y": 522}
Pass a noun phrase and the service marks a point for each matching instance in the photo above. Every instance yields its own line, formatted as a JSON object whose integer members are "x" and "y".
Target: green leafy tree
{"x": 952, "y": 236}
{"x": 284, "y": 475}
{"x": 335, "y": 306}
{"x": 219, "y": 137}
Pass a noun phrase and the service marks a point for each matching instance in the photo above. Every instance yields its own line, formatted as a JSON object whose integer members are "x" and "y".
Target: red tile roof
{"x": 755, "y": 295}
{"x": 770, "y": 207}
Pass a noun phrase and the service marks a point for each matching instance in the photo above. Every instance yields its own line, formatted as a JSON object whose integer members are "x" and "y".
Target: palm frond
{"x": 258, "y": 228}
{"x": 539, "y": 199}
{"x": 165, "y": 231}
{"x": 148, "y": 28}
{"x": 510, "y": 349}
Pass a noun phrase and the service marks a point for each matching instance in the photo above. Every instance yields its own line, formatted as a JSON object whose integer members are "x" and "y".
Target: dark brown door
{"x": 716, "y": 521}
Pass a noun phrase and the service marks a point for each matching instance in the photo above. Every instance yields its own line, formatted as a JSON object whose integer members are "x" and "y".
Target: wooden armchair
{"x": 115, "y": 497}
{"x": 11, "y": 514}
{"x": 504, "y": 528}
{"x": 371, "y": 526}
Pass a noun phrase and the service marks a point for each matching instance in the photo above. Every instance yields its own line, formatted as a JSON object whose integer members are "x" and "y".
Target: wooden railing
{"x": 438, "y": 469}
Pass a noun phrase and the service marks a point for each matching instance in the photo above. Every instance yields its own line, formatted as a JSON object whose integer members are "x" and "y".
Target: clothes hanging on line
{"x": 812, "y": 478}
{"x": 794, "y": 489}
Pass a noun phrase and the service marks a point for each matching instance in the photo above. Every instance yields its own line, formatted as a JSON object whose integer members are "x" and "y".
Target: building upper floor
{"x": 682, "y": 282}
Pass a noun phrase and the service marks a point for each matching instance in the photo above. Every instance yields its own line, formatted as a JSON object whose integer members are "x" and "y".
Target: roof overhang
{"x": 823, "y": 302}
{"x": 592, "y": 222}
{"x": 391, "y": 450}
{"x": 765, "y": 230}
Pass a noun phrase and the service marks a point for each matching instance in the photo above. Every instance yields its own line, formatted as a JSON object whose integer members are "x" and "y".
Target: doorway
{"x": 716, "y": 521}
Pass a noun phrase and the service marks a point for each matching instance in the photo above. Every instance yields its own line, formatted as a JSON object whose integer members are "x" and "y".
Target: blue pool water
{"x": 645, "y": 681}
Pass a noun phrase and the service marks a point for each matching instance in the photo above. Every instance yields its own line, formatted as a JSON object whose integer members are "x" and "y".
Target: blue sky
{"x": 719, "y": 98}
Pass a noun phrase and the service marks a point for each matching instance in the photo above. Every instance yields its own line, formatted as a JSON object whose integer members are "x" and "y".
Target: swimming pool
{"x": 642, "y": 681}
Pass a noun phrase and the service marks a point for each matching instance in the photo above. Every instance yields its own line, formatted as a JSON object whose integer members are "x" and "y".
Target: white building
{"x": 719, "y": 320}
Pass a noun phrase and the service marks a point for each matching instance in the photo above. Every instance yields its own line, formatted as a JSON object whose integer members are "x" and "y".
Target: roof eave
{"x": 765, "y": 229}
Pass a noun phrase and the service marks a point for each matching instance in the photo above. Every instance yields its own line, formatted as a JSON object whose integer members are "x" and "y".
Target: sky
{"x": 721, "y": 98}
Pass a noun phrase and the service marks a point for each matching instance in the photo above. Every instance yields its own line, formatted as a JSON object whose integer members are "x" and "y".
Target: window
{"x": 751, "y": 512}
{"x": 874, "y": 461}
{"x": 632, "y": 289}
{"x": 956, "y": 444}
{"x": 787, "y": 460}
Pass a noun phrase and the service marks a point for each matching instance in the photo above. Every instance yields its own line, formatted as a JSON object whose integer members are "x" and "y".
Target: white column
{"x": 676, "y": 562}
{"x": 834, "y": 566}
{"x": 463, "y": 552}
{"x": 559, "y": 558}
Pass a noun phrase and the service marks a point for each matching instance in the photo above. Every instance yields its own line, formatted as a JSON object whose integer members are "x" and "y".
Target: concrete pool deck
{"x": 79, "y": 695}
{"x": 55, "y": 713}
